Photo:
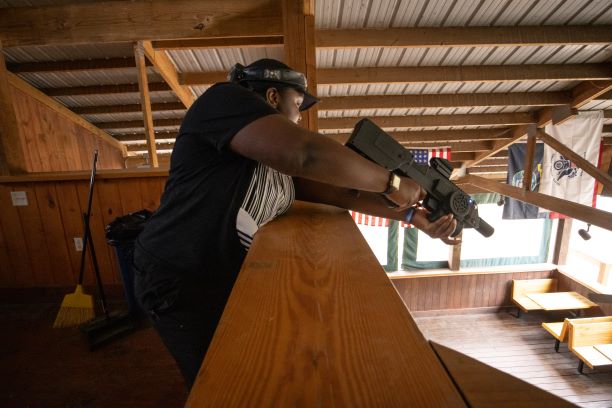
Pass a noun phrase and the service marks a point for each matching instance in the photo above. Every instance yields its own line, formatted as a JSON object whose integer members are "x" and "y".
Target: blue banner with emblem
{"x": 515, "y": 209}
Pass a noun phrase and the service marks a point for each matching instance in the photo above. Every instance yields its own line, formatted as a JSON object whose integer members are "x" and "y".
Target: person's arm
{"x": 373, "y": 204}
{"x": 278, "y": 143}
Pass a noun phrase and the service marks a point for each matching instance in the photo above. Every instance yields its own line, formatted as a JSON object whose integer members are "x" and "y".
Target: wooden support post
{"x": 454, "y": 256}
{"x": 529, "y": 153}
{"x": 581, "y": 162}
{"x": 145, "y": 101}
{"x": 12, "y": 157}
{"x": 564, "y": 228}
{"x": 605, "y": 270}
{"x": 299, "y": 49}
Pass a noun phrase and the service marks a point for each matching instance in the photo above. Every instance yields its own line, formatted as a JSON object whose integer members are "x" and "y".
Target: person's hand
{"x": 408, "y": 194}
{"x": 442, "y": 228}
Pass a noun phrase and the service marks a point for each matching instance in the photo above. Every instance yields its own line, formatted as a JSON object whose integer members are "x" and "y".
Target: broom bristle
{"x": 76, "y": 308}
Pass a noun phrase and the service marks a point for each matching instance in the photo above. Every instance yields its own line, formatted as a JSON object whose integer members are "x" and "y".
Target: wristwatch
{"x": 392, "y": 188}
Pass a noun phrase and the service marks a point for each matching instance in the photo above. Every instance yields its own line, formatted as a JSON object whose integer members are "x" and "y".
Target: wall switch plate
{"x": 78, "y": 243}
{"x": 19, "y": 198}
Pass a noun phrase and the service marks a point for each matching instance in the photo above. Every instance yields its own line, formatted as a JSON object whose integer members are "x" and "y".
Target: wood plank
{"x": 131, "y": 195}
{"x": 529, "y": 155}
{"x": 477, "y": 73}
{"x": 432, "y": 37}
{"x": 12, "y": 156}
{"x": 72, "y": 220}
{"x": 484, "y": 386}
{"x": 581, "y": 212}
{"x": 564, "y": 229}
{"x": 7, "y": 274}
{"x": 330, "y": 317}
{"x": 33, "y": 233}
{"x": 145, "y": 103}
{"x": 53, "y": 233}
{"x": 445, "y": 100}
{"x": 20, "y": 264}
{"x": 166, "y": 68}
{"x": 151, "y": 190}
{"x": 389, "y": 122}
{"x": 207, "y": 43}
{"x": 133, "y": 21}
{"x": 109, "y": 201}
{"x": 23, "y": 86}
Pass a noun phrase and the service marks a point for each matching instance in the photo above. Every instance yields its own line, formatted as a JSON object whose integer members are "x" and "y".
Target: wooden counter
{"x": 314, "y": 321}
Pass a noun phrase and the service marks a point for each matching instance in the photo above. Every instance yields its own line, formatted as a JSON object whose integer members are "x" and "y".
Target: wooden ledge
{"x": 84, "y": 175}
{"x": 313, "y": 320}
{"x": 489, "y": 270}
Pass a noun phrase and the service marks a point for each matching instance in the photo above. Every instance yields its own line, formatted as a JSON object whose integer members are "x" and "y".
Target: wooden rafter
{"x": 105, "y": 109}
{"x": 445, "y": 100}
{"x": 140, "y": 137}
{"x": 80, "y": 65}
{"x": 475, "y": 73}
{"x": 464, "y": 36}
{"x": 12, "y": 157}
{"x": 145, "y": 102}
{"x": 232, "y": 42}
{"x": 130, "y": 124}
{"x": 104, "y": 89}
{"x": 23, "y": 86}
{"x": 581, "y": 94}
{"x": 437, "y": 135}
{"x": 584, "y": 213}
{"x": 166, "y": 68}
{"x": 485, "y": 119}
{"x": 138, "y": 20}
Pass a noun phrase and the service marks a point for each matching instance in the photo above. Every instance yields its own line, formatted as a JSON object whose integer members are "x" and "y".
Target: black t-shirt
{"x": 194, "y": 231}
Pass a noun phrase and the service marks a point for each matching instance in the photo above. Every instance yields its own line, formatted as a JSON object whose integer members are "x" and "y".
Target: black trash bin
{"x": 122, "y": 234}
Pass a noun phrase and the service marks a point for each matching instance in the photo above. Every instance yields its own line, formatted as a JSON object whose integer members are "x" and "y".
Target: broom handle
{"x": 87, "y": 215}
{"x": 97, "y": 273}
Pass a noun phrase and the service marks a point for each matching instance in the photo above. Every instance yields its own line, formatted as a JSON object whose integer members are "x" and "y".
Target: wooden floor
{"x": 522, "y": 348}
{"x": 45, "y": 367}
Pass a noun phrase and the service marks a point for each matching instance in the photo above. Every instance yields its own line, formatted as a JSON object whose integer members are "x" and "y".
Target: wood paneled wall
{"x": 36, "y": 241}
{"x": 52, "y": 143}
{"x": 460, "y": 291}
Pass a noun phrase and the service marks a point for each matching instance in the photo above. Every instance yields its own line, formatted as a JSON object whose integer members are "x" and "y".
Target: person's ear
{"x": 273, "y": 97}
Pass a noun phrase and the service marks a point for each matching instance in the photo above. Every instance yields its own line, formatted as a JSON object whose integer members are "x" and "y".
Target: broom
{"x": 77, "y": 307}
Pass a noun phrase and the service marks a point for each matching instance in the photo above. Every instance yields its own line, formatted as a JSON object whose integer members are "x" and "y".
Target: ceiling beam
{"x": 463, "y": 36}
{"x": 12, "y": 155}
{"x": 581, "y": 94}
{"x": 166, "y": 68}
{"x": 604, "y": 97}
{"x": 135, "y": 108}
{"x": 231, "y": 42}
{"x": 79, "y": 65}
{"x": 468, "y": 73}
{"x": 104, "y": 89}
{"x": 113, "y": 21}
{"x": 438, "y": 136}
{"x": 445, "y": 100}
{"x": 140, "y": 137}
{"x": 486, "y": 119}
{"x": 584, "y": 213}
{"x": 145, "y": 101}
{"x": 488, "y": 169}
{"x": 23, "y": 86}
{"x": 137, "y": 124}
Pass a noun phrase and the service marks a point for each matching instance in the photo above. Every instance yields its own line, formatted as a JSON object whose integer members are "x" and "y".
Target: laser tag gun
{"x": 443, "y": 196}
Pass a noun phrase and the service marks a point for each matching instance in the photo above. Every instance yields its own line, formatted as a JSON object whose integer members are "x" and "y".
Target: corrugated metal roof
{"x": 114, "y": 99}
{"x": 220, "y": 59}
{"x": 38, "y": 53}
{"x": 112, "y": 117}
{"x": 331, "y": 14}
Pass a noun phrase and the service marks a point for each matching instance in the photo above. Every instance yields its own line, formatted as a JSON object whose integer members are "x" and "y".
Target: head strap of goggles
{"x": 241, "y": 73}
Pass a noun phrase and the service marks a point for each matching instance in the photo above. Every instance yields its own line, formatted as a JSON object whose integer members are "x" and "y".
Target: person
{"x": 240, "y": 159}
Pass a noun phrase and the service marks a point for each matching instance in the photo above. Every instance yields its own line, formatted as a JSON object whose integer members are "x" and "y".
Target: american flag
{"x": 421, "y": 156}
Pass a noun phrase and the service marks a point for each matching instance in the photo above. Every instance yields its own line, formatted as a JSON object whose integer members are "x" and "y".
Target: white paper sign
{"x": 20, "y": 199}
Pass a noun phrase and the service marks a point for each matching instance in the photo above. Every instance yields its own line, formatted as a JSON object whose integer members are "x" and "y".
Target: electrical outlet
{"x": 19, "y": 198}
{"x": 78, "y": 243}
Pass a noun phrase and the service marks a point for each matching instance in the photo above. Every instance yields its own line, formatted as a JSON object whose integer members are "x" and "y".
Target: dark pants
{"x": 185, "y": 316}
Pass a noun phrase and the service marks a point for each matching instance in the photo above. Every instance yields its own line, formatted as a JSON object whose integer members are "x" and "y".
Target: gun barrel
{"x": 484, "y": 228}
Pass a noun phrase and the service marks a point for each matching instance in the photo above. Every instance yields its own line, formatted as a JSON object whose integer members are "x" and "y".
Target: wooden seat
{"x": 521, "y": 287}
{"x": 588, "y": 341}
{"x": 559, "y": 330}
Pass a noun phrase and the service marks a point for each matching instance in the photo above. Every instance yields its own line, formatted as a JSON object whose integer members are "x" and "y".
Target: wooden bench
{"x": 521, "y": 287}
{"x": 559, "y": 330}
{"x": 591, "y": 343}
